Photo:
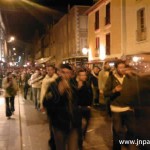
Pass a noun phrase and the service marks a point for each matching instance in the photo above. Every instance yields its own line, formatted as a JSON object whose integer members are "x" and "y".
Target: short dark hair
{"x": 67, "y": 66}
{"x": 117, "y": 63}
{"x": 8, "y": 73}
{"x": 81, "y": 70}
{"x": 95, "y": 66}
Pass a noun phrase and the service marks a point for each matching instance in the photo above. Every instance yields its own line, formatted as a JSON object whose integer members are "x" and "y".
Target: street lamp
{"x": 12, "y": 38}
{"x": 85, "y": 51}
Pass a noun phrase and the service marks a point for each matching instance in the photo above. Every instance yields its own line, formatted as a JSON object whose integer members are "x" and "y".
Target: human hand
{"x": 118, "y": 88}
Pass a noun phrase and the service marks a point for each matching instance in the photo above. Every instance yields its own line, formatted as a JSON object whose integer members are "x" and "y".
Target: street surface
{"x": 28, "y": 128}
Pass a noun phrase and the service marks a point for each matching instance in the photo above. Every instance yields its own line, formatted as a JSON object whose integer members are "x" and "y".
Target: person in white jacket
{"x": 50, "y": 77}
{"x": 36, "y": 82}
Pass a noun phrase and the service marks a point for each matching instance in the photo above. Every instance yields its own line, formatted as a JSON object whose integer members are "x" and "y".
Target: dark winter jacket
{"x": 58, "y": 108}
{"x": 84, "y": 94}
{"x": 135, "y": 91}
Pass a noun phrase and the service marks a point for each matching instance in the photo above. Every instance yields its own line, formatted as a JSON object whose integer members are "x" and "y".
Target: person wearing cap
{"x": 61, "y": 106}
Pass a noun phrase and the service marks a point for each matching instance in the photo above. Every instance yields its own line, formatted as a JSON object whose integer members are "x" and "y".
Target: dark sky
{"x": 23, "y": 17}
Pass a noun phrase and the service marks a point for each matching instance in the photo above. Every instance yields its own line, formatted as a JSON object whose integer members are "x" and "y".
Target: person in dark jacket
{"x": 61, "y": 105}
{"x": 120, "y": 105}
{"x": 85, "y": 96}
{"x": 26, "y": 77}
{"x": 94, "y": 83}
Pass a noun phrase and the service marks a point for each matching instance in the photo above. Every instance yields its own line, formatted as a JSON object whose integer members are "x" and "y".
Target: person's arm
{"x": 5, "y": 84}
{"x": 108, "y": 87}
{"x": 90, "y": 95}
{"x": 100, "y": 81}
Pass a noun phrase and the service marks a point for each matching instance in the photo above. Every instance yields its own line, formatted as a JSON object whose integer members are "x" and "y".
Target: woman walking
{"x": 10, "y": 87}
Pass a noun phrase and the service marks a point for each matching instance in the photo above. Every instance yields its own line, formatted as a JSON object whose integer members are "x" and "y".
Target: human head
{"x": 106, "y": 66}
{"x": 50, "y": 70}
{"x": 66, "y": 71}
{"x": 9, "y": 75}
{"x": 96, "y": 70}
{"x": 82, "y": 75}
{"x": 120, "y": 67}
{"x": 37, "y": 70}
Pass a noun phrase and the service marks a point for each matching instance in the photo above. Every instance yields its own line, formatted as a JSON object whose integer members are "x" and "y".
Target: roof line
{"x": 94, "y": 6}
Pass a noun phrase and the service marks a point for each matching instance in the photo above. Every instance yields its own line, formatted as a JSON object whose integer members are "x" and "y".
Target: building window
{"x": 108, "y": 44}
{"x": 141, "y": 27}
{"x": 96, "y": 20}
{"x": 97, "y": 46}
{"x": 107, "y": 18}
{"x": 97, "y": 43}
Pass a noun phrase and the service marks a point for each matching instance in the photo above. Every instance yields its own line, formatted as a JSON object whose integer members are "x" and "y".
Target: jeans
{"x": 9, "y": 105}
{"x": 123, "y": 128}
{"x": 26, "y": 87}
{"x": 36, "y": 97}
{"x": 95, "y": 95}
{"x": 85, "y": 114}
{"x": 66, "y": 141}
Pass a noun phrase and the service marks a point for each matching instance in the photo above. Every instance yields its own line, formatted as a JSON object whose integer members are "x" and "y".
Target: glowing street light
{"x": 14, "y": 48}
{"x": 85, "y": 51}
{"x": 12, "y": 38}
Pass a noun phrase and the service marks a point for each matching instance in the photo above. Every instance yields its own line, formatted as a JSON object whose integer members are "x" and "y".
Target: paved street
{"x": 28, "y": 129}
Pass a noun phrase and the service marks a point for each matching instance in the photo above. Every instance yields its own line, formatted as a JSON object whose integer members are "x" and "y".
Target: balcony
{"x": 141, "y": 34}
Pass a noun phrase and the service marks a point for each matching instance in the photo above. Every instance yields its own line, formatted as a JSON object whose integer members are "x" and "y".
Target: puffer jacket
{"x": 9, "y": 90}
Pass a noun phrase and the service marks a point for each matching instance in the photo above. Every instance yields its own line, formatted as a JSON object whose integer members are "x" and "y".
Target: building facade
{"x": 118, "y": 28}
{"x": 69, "y": 35}
{"x": 66, "y": 38}
{"x": 3, "y": 45}
{"x": 137, "y": 14}
{"x": 105, "y": 30}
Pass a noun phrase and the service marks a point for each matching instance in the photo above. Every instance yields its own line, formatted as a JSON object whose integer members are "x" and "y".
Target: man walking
{"x": 61, "y": 105}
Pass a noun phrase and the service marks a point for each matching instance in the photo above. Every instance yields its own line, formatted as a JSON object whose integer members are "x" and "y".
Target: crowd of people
{"x": 67, "y": 94}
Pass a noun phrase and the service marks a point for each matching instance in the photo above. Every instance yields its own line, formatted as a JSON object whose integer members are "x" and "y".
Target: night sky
{"x": 23, "y": 17}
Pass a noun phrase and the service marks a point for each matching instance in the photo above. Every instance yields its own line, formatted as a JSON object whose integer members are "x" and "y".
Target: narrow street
{"x": 28, "y": 129}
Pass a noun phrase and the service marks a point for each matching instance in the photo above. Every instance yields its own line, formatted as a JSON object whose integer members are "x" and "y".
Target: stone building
{"x": 117, "y": 28}
{"x": 105, "y": 29}
{"x": 137, "y": 26}
{"x": 3, "y": 45}
{"x": 64, "y": 40}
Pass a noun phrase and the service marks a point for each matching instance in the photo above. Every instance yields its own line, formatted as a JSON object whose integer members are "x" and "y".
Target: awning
{"x": 43, "y": 60}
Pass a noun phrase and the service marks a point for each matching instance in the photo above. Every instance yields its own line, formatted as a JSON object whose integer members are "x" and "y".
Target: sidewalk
{"x": 28, "y": 129}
